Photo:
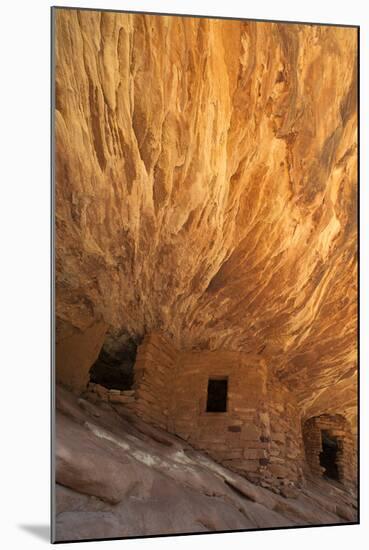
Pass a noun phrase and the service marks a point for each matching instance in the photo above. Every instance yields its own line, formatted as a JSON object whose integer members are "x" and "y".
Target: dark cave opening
{"x": 113, "y": 369}
{"x": 328, "y": 455}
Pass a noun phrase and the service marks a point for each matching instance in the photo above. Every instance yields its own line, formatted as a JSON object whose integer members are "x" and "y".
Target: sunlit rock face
{"x": 206, "y": 184}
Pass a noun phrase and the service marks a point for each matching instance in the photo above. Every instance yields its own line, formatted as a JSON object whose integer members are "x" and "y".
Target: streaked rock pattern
{"x": 206, "y": 184}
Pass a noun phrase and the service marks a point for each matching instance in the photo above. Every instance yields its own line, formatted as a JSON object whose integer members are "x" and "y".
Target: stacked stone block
{"x": 97, "y": 392}
{"x": 286, "y": 449}
{"x": 259, "y": 435}
{"x": 154, "y": 375}
{"x": 238, "y": 437}
{"x": 337, "y": 427}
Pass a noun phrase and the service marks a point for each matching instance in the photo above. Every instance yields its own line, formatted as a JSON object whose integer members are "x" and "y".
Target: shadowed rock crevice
{"x": 113, "y": 369}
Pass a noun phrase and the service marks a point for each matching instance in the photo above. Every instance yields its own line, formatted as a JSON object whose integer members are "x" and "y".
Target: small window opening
{"x": 328, "y": 456}
{"x": 217, "y": 395}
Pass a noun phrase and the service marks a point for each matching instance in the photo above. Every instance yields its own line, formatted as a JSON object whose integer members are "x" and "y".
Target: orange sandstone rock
{"x": 206, "y": 184}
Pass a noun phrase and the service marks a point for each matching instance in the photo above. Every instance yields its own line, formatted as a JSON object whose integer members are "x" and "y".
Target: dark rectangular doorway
{"x": 217, "y": 395}
{"x": 328, "y": 455}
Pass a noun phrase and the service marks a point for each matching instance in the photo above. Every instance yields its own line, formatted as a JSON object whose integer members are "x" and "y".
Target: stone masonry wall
{"x": 238, "y": 437}
{"x": 337, "y": 426}
{"x": 154, "y": 375}
{"x": 259, "y": 435}
{"x": 286, "y": 446}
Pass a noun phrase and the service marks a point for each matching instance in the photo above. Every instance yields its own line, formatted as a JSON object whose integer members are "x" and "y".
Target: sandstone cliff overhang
{"x": 206, "y": 185}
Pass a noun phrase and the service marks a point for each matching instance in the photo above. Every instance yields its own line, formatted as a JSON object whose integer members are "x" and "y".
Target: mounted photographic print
{"x": 205, "y": 186}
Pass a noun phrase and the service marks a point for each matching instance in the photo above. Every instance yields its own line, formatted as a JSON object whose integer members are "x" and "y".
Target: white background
{"x": 25, "y": 279}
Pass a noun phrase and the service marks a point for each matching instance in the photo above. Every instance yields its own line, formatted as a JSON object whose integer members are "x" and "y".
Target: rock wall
{"x": 286, "y": 446}
{"x": 339, "y": 428}
{"x": 154, "y": 380}
{"x": 76, "y": 351}
{"x": 259, "y": 435}
{"x": 238, "y": 437}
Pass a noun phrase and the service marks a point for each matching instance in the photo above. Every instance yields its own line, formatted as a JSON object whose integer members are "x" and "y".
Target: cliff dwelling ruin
{"x": 206, "y": 273}
{"x": 230, "y": 406}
